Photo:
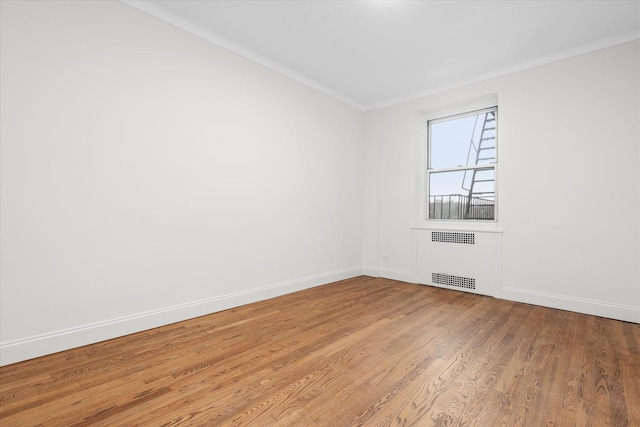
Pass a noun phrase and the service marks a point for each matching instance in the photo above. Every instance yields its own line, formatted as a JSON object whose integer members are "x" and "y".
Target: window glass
{"x": 454, "y": 142}
{"x": 448, "y": 200}
{"x": 461, "y": 166}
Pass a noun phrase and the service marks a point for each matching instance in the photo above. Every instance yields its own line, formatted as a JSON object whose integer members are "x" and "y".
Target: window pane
{"x": 463, "y": 141}
{"x": 465, "y": 195}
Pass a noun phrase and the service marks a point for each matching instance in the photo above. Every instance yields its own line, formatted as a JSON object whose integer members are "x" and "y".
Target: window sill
{"x": 481, "y": 228}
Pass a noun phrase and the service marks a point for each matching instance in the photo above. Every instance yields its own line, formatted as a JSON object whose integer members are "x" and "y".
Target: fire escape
{"x": 480, "y": 201}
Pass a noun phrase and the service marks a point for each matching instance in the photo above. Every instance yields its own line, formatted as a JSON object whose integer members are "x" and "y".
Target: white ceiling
{"x": 377, "y": 53}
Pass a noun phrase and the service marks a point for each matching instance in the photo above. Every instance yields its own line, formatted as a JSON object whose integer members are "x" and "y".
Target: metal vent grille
{"x": 453, "y": 237}
{"x": 457, "y": 281}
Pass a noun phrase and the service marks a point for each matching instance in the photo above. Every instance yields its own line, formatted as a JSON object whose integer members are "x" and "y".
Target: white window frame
{"x": 443, "y": 115}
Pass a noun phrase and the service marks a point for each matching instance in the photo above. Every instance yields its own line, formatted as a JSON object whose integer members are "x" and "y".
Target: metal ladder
{"x": 482, "y": 153}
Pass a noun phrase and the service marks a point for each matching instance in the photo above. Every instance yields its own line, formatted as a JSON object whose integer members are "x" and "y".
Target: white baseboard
{"x": 596, "y": 308}
{"x": 387, "y": 273}
{"x": 370, "y": 271}
{"x": 29, "y": 348}
{"x": 400, "y": 275}
{"x": 579, "y": 305}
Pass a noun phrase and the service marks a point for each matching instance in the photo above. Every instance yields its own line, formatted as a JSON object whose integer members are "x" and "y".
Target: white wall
{"x": 149, "y": 176}
{"x": 569, "y": 183}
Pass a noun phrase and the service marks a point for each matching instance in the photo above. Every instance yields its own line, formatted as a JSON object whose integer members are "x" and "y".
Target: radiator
{"x": 468, "y": 261}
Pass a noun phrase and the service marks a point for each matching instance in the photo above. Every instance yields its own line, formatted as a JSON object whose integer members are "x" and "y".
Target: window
{"x": 461, "y": 166}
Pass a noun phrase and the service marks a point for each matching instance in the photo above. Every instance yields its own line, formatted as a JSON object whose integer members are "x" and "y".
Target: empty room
{"x": 319, "y": 213}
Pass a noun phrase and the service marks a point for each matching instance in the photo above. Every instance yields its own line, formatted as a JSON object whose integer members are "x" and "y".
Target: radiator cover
{"x": 468, "y": 261}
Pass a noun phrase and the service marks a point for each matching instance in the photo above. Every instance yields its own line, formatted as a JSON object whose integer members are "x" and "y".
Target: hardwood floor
{"x": 363, "y": 351}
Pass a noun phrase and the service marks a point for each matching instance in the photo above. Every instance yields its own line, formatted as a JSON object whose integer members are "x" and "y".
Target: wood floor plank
{"x": 360, "y": 352}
